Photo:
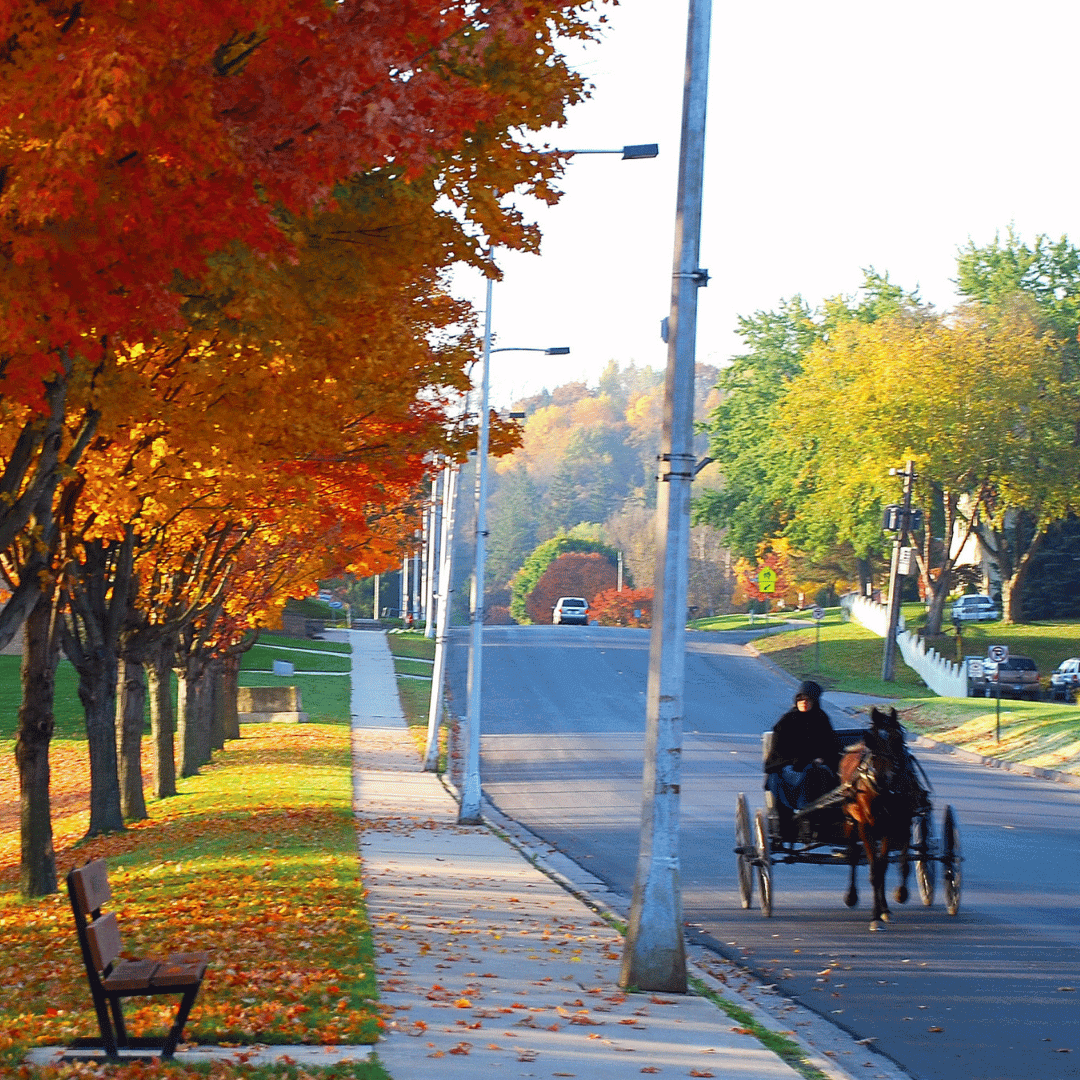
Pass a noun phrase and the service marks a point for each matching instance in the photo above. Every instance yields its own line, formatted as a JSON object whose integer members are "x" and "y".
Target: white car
{"x": 975, "y": 608}
{"x": 1066, "y": 680}
{"x": 571, "y": 609}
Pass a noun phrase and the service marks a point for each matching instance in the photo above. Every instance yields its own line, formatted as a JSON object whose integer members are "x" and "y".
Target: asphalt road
{"x": 989, "y": 994}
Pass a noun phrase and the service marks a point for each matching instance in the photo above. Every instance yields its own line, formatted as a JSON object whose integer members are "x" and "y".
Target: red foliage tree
{"x": 631, "y": 607}
{"x": 576, "y": 573}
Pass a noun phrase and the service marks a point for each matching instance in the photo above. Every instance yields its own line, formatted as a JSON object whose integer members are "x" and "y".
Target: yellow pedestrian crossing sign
{"x": 766, "y": 580}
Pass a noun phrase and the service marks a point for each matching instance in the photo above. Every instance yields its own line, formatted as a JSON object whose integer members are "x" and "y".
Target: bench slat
{"x": 91, "y": 886}
{"x": 103, "y": 936}
{"x": 132, "y": 975}
{"x": 179, "y": 974}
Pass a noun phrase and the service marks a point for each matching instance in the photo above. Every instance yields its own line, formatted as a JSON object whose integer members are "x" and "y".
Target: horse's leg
{"x": 881, "y": 900}
{"x": 851, "y": 897}
{"x": 904, "y": 839}
{"x": 878, "y": 913}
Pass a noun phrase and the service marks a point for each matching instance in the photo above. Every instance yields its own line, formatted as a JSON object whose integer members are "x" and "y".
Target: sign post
{"x": 998, "y": 654}
{"x": 819, "y": 614}
{"x": 766, "y": 584}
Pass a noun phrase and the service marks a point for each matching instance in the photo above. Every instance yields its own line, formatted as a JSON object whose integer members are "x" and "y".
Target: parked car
{"x": 975, "y": 609}
{"x": 570, "y": 609}
{"x": 975, "y": 669}
{"x": 1066, "y": 680}
{"x": 1018, "y": 676}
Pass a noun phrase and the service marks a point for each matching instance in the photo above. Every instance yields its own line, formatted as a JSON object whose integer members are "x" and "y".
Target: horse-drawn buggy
{"x": 879, "y": 814}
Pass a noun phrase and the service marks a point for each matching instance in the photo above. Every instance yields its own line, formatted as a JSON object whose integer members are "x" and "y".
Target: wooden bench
{"x": 112, "y": 978}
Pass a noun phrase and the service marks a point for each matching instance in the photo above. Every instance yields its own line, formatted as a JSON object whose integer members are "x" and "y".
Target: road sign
{"x": 819, "y": 613}
{"x": 766, "y": 579}
{"x": 997, "y": 653}
{"x": 907, "y": 557}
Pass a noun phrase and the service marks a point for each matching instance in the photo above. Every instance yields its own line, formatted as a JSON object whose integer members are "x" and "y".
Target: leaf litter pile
{"x": 255, "y": 860}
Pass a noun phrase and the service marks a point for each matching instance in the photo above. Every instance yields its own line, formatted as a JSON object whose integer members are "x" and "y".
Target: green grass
{"x": 741, "y": 620}
{"x": 262, "y": 658}
{"x": 67, "y": 709}
{"x": 285, "y": 642}
{"x": 850, "y": 659}
{"x": 411, "y": 643}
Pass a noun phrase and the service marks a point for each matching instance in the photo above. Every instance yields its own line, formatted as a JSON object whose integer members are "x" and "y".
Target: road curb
{"x": 1053, "y": 775}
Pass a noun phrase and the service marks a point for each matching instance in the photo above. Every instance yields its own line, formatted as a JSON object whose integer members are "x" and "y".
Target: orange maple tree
{"x": 631, "y": 607}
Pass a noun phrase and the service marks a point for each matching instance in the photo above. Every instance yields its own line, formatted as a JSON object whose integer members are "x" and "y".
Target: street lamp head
{"x": 641, "y": 150}
{"x": 558, "y": 350}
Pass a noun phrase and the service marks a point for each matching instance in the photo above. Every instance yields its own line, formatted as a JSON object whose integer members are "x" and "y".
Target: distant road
{"x": 562, "y": 748}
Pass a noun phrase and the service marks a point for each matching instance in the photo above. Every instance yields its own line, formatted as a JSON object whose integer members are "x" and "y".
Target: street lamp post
{"x": 469, "y": 811}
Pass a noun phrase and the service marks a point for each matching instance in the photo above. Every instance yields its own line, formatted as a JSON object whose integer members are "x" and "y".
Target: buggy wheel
{"x": 925, "y": 868}
{"x": 951, "y": 859}
{"x": 764, "y": 862}
{"x": 744, "y": 851}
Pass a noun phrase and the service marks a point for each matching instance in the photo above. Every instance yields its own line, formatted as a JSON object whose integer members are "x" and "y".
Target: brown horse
{"x": 880, "y": 800}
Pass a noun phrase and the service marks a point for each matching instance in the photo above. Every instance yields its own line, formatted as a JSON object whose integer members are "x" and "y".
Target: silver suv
{"x": 571, "y": 609}
{"x": 975, "y": 608}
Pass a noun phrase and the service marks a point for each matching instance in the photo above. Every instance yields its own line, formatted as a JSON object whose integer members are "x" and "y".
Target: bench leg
{"x": 108, "y": 1039}
{"x": 183, "y": 1009}
{"x": 118, "y": 1021}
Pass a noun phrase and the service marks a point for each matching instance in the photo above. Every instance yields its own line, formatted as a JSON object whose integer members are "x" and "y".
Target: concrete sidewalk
{"x": 483, "y": 960}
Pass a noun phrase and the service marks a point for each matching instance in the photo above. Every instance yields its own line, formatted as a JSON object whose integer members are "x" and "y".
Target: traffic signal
{"x": 891, "y": 520}
{"x": 915, "y": 520}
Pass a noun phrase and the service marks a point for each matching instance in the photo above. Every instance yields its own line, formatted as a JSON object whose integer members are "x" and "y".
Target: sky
{"x": 840, "y": 136}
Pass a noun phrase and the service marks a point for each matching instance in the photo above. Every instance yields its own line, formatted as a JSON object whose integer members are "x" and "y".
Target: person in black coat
{"x": 804, "y": 756}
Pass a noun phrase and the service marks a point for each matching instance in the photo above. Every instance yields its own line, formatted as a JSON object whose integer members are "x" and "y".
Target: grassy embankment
{"x": 413, "y": 654}
{"x": 1044, "y": 734}
{"x": 254, "y": 859}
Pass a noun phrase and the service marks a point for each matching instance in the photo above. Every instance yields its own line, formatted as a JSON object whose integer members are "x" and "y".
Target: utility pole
{"x": 432, "y": 558}
{"x": 654, "y": 956}
{"x": 889, "y": 660}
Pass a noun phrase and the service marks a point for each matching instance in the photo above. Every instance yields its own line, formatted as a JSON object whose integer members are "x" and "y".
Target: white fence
{"x": 942, "y": 676}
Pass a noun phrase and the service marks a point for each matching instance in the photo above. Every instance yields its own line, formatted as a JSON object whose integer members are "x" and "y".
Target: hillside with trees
{"x": 586, "y": 469}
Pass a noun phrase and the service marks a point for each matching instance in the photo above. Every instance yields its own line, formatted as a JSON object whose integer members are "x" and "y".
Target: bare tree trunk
{"x": 204, "y": 742}
{"x": 37, "y": 873}
{"x": 131, "y": 711}
{"x": 216, "y": 703}
{"x": 97, "y": 692}
{"x": 162, "y": 723}
{"x": 866, "y": 577}
{"x": 230, "y": 671}
{"x": 187, "y": 719}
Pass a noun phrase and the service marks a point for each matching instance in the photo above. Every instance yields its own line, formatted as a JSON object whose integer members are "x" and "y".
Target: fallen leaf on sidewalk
{"x": 461, "y": 1003}
{"x": 528, "y": 1055}
{"x": 437, "y": 1053}
{"x": 743, "y": 1031}
{"x": 462, "y": 1048}
{"x": 660, "y": 1001}
{"x": 935, "y": 1029}
{"x": 494, "y": 1046}
{"x": 701, "y": 1072}
{"x": 650, "y": 1069}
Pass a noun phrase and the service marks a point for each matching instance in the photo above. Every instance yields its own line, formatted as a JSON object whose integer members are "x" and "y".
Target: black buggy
{"x": 817, "y": 835}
